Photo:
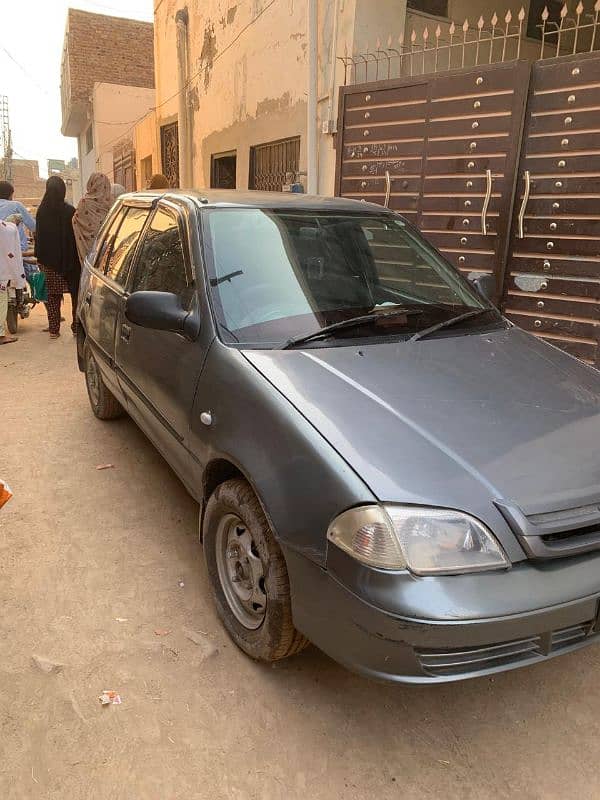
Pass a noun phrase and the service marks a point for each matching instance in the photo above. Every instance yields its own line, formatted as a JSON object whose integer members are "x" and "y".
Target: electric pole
{"x": 5, "y": 140}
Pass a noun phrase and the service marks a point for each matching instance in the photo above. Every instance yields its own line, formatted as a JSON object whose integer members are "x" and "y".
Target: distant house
{"x": 107, "y": 83}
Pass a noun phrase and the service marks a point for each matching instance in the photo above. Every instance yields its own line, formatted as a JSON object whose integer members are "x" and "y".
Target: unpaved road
{"x": 81, "y": 549}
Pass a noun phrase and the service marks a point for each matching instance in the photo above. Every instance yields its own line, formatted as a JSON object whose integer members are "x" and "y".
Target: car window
{"x": 161, "y": 263}
{"x": 102, "y": 246}
{"x": 277, "y": 274}
{"x": 124, "y": 244}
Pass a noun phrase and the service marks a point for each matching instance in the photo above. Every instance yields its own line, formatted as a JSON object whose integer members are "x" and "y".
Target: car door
{"x": 105, "y": 295}
{"x": 159, "y": 370}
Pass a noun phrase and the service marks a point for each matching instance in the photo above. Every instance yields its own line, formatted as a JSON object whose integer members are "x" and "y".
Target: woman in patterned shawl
{"x": 91, "y": 212}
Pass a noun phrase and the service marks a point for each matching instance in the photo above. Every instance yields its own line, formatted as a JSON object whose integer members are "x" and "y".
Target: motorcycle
{"x": 20, "y": 301}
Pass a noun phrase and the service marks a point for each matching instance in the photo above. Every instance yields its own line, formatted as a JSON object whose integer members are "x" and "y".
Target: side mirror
{"x": 161, "y": 311}
{"x": 484, "y": 283}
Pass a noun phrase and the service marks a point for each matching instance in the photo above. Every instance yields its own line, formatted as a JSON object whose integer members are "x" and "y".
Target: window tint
{"x": 124, "y": 244}
{"x": 161, "y": 265}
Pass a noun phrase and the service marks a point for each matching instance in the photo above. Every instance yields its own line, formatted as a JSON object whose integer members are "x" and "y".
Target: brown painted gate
{"x": 445, "y": 147}
{"x": 553, "y": 273}
{"x": 451, "y": 152}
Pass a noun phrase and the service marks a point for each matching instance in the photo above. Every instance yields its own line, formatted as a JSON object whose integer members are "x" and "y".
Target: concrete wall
{"x": 251, "y": 85}
{"x": 115, "y": 109}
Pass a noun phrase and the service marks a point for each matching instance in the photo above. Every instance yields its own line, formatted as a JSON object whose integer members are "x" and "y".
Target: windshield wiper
{"x": 446, "y": 323}
{"x": 228, "y": 277}
{"x": 353, "y": 322}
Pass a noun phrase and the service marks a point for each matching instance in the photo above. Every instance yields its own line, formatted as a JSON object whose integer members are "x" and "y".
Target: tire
{"x": 104, "y": 404}
{"x": 265, "y": 634}
{"x": 12, "y": 319}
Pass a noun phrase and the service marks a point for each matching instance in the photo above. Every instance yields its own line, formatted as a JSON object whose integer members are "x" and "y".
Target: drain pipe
{"x": 329, "y": 124}
{"x": 184, "y": 131}
{"x": 312, "y": 141}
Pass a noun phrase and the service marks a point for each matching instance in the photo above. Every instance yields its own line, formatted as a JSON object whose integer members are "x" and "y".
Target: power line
{"x": 24, "y": 71}
{"x": 193, "y": 77}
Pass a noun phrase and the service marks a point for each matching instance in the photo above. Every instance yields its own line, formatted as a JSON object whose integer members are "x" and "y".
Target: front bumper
{"x": 335, "y": 610}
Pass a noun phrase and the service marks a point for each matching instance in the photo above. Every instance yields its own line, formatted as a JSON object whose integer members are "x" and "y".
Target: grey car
{"x": 385, "y": 466}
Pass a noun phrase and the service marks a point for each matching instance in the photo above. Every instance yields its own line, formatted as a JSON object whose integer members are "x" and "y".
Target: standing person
{"x": 10, "y": 206}
{"x": 91, "y": 212}
{"x": 11, "y": 269}
{"x": 56, "y": 251}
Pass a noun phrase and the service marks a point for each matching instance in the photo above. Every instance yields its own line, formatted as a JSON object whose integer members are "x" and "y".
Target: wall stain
{"x": 208, "y": 53}
{"x": 231, "y": 12}
{"x": 272, "y": 105}
{"x": 194, "y": 98}
{"x": 297, "y": 36}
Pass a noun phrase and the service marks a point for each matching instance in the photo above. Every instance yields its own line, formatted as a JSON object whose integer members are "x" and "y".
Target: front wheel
{"x": 12, "y": 318}
{"x": 104, "y": 404}
{"x": 248, "y": 574}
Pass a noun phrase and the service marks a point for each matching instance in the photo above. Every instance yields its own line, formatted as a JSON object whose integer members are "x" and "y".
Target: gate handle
{"x": 486, "y": 202}
{"x": 388, "y": 188}
{"x": 524, "y": 203}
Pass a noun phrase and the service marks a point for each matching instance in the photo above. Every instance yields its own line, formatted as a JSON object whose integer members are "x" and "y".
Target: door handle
{"x": 125, "y": 333}
{"x": 486, "y": 201}
{"x": 527, "y": 177}
{"x": 388, "y": 188}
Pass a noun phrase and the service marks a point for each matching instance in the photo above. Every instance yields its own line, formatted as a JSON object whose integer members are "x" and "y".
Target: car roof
{"x": 254, "y": 199}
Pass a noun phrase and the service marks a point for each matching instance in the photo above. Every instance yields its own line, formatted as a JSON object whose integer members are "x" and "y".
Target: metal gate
{"x": 169, "y": 152}
{"x": 553, "y": 274}
{"x": 442, "y": 150}
{"x": 499, "y": 166}
{"x": 124, "y": 165}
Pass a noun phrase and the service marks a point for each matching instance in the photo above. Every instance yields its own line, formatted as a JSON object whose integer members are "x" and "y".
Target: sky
{"x": 31, "y": 41}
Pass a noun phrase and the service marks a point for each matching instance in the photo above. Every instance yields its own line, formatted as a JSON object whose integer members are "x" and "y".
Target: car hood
{"x": 455, "y": 421}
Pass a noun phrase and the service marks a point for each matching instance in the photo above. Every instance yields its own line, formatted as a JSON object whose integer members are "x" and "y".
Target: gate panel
{"x": 383, "y": 131}
{"x": 475, "y": 122}
{"x": 449, "y": 145}
{"x": 553, "y": 275}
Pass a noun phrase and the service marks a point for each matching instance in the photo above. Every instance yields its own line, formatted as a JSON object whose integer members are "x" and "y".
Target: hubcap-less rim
{"x": 241, "y": 572}
{"x": 92, "y": 380}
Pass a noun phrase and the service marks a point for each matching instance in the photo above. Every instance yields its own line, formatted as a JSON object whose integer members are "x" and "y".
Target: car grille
{"x": 467, "y": 661}
{"x": 555, "y": 534}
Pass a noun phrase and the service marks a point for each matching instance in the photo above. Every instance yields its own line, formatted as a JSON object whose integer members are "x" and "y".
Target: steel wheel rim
{"x": 93, "y": 380}
{"x": 241, "y": 572}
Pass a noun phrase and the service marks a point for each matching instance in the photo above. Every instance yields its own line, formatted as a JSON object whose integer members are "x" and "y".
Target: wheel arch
{"x": 218, "y": 471}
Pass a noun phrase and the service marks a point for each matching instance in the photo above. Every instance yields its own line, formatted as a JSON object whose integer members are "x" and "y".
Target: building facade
{"x": 232, "y": 79}
{"x": 107, "y": 84}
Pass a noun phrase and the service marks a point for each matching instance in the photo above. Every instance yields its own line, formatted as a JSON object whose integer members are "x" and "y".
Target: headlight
{"x": 427, "y": 541}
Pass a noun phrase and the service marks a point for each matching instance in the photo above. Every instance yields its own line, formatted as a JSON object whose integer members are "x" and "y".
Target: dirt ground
{"x": 94, "y": 562}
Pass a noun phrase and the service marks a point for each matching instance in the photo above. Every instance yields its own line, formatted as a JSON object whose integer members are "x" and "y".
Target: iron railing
{"x": 570, "y": 34}
{"x": 470, "y": 45}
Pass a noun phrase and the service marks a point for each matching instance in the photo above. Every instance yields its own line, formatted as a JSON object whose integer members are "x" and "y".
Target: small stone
{"x": 46, "y": 665}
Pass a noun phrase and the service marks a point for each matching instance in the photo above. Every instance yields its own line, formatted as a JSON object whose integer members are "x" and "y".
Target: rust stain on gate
{"x": 498, "y": 164}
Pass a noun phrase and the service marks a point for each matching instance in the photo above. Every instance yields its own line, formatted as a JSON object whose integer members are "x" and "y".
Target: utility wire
{"x": 24, "y": 71}
{"x": 193, "y": 77}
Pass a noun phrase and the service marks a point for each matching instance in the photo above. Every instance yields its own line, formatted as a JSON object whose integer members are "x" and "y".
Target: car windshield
{"x": 279, "y": 275}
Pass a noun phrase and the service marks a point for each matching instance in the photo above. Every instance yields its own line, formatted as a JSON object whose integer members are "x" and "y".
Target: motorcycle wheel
{"x": 12, "y": 318}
